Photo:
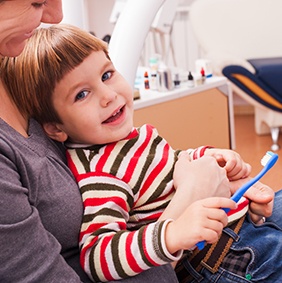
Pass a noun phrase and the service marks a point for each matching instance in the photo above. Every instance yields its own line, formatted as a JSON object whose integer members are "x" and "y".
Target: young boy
{"x": 125, "y": 174}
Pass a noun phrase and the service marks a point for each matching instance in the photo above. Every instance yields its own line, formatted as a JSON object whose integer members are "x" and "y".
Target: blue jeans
{"x": 264, "y": 242}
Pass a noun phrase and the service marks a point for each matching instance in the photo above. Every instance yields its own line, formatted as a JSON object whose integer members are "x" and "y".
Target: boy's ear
{"x": 55, "y": 132}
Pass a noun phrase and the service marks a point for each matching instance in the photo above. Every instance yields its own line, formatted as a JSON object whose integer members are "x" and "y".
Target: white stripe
{"x": 122, "y": 255}
{"x": 105, "y": 180}
{"x": 149, "y": 241}
{"x": 137, "y": 254}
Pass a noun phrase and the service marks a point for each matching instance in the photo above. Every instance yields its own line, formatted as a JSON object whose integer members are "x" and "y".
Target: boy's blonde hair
{"x": 49, "y": 55}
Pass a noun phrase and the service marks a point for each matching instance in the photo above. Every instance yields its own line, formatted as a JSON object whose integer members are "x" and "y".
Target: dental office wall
{"x": 94, "y": 16}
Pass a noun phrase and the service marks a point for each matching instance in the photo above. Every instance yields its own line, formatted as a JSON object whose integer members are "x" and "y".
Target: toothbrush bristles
{"x": 266, "y": 158}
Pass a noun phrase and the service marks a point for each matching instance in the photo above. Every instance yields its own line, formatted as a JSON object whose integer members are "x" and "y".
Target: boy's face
{"x": 94, "y": 102}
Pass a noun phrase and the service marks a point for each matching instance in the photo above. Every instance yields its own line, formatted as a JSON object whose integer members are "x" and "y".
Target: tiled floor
{"x": 253, "y": 147}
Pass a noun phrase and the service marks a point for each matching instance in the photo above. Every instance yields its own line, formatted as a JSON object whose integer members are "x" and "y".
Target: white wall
{"x": 185, "y": 47}
{"x": 99, "y": 14}
{"x": 94, "y": 15}
{"x": 76, "y": 13}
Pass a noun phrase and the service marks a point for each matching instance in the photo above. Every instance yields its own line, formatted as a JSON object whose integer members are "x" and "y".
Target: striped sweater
{"x": 125, "y": 187}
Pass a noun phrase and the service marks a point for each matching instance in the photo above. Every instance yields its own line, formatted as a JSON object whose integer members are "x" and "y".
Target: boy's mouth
{"x": 115, "y": 116}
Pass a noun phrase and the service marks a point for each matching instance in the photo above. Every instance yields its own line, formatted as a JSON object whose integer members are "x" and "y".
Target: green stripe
{"x": 109, "y": 188}
{"x": 121, "y": 155}
{"x": 116, "y": 254}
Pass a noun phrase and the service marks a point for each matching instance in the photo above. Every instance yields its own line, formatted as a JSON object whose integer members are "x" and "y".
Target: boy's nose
{"x": 107, "y": 96}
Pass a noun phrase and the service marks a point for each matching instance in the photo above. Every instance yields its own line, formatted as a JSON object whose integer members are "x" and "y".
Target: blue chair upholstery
{"x": 264, "y": 86}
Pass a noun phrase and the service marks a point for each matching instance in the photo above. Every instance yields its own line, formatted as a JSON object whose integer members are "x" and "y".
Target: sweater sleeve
{"x": 109, "y": 250}
{"x": 29, "y": 253}
{"x": 196, "y": 153}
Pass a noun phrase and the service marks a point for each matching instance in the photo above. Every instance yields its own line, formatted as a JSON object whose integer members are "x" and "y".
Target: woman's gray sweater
{"x": 40, "y": 210}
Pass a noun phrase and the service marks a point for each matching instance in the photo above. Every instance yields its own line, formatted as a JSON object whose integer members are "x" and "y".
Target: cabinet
{"x": 190, "y": 117}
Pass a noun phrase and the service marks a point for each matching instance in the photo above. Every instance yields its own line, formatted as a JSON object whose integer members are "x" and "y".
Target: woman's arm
{"x": 29, "y": 253}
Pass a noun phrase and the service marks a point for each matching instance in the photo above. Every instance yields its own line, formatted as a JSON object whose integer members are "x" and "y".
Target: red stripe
{"x": 240, "y": 206}
{"x": 90, "y": 229}
{"x": 72, "y": 166}
{"x": 83, "y": 252}
{"x": 195, "y": 154}
{"x": 154, "y": 216}
{"x": 156, "y": 171}
{"x": 132, "y": 135}
{"x": 104, "y": 157}
{"x": 133, "y": 161}
{"x": 129, "y": 256}
{"x": 91, "y": 202}
{"x": 103, "y": 260}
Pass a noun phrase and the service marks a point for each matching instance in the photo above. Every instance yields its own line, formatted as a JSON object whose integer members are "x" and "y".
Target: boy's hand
{"x": 201, "y": 221}
{"x": 231, "y": 161}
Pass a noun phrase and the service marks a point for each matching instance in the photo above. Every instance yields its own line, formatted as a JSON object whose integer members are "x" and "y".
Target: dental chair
{"x": 243, "y": 40}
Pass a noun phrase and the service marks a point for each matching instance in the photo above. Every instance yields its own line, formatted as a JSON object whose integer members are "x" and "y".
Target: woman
{"x": 41, "y": 208}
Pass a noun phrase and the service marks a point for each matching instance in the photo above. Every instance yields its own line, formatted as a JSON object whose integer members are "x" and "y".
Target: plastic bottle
{"x": 154, "y": 80}
{"x": 176, "y": 80}
{"x": 153, "y": 63}
{"x": 190, "y": 80}
{"x": 203, "y": 75}
{"x": 164, "y": 78}
{"x": 146, "y": 80}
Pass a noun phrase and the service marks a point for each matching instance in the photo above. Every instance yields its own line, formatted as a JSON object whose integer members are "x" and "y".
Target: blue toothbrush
{"x": 267, "y": 161}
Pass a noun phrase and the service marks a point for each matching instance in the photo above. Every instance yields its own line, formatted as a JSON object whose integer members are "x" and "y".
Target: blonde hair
{"x": 49, "y": 55}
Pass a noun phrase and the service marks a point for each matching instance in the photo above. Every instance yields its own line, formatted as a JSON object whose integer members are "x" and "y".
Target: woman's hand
{"x": 234, "y": 165}
{"x": 203, "y": 177}
{"x": 261, "y": 199}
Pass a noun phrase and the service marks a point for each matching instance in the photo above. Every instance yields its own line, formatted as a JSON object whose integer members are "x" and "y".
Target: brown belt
{"x": 210, "y": 257}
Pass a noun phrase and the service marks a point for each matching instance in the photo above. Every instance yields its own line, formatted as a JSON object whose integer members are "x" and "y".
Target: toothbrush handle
{"x": 200, "y": 245}
{"x": 240, "y": 192}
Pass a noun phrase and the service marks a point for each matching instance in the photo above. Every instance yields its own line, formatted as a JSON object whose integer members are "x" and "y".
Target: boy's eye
{"x": 81, "y": 95}
{"x": 106, "y": 76}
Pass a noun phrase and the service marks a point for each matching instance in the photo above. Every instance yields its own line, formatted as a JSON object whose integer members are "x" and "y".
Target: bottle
{"x": 153, "y": 64}
{"x": 164, "y": 78}
{"x": 146, "y": 81}
{"x": 176, "y": 81}
{"x": 203, "y": 75}
{"x": 190, "y": 80}
{"x": 153, "y": 81}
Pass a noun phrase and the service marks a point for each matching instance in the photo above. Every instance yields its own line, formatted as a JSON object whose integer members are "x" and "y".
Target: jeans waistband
{"x": 210, "y": 257}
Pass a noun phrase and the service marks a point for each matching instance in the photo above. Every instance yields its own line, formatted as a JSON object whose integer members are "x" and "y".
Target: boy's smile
{"x": 94, "y": 102}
